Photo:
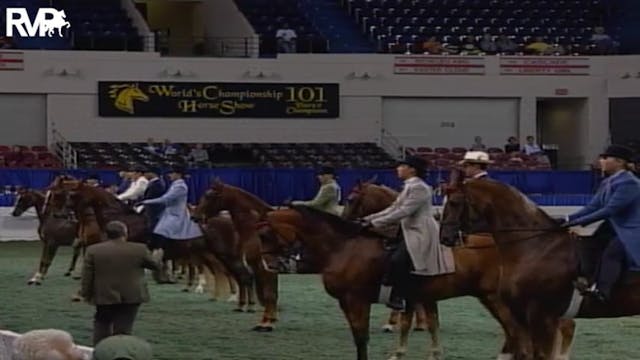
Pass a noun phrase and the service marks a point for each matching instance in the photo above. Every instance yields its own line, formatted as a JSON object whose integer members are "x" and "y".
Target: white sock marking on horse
{"x": 504, "y": 356}
{"x": 202, "y": 281}
{"x": 574, "y": 305}
{"x": 388, "y": 328}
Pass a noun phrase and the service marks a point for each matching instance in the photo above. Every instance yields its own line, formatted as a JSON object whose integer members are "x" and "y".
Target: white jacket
{"x": 135, "y": 191}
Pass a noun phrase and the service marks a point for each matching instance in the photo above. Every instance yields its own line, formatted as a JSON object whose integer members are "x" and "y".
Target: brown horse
{"x": 476, "y": 275}
{"x": 360, "y": 203}
{"x": 100, "y": 206}
{"x": 538, "y": 261}
{"x": 55, "y": 229}
{"x": 245, "y": 210}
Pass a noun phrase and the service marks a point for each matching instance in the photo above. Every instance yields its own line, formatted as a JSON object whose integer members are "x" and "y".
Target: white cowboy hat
{"x": 475, "y": 157}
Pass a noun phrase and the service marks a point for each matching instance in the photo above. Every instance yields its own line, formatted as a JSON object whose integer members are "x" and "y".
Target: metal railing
{"x": 63, "y": 150}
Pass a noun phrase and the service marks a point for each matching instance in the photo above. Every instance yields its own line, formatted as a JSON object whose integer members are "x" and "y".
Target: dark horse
{"x": 352, "y": 263}
{"x": 94, "y": 207}
{"x": 245, "y": 210}
{"x": 538, "y": 259}
{"x": 55, "y": 228}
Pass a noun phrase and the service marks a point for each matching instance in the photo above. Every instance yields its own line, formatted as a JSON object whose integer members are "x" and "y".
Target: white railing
{"x": 392, "y": 145}
{"x": 63, "y": 150}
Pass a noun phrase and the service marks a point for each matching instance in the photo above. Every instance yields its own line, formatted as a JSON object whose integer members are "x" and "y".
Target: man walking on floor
{"x": 113, "y": 281}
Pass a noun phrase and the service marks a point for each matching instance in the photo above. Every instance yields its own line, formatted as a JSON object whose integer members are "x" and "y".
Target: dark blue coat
{"x": 155, "y": 189}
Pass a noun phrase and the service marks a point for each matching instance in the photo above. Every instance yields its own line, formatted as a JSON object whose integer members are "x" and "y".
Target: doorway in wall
{"x": 623, "y": 121}
{"x": 561, "y": 126}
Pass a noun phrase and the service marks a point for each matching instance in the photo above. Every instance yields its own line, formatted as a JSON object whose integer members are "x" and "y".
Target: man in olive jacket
{"x": 113, "y": 281}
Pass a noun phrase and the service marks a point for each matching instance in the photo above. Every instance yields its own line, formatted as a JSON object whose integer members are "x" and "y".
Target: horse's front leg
{"x": 406, "y": 318}
{"x": 566, "y": 331}
{"x": 392, "y": 321}
{"x": 77, "y": 247}
{"x": 48, "y": 252}
{"x": 433, "y": 324}
{"x": 543, "y": 329}
{"x": 357, "y": 312}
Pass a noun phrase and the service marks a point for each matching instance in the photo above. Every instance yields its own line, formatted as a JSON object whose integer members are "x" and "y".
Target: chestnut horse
{"x": 95, "y": 206}
{"x": 538, "y": 259}
{"x": 360, "y": 203}
{"x": 245, "y": 210}
{"x": 55, "y": 229}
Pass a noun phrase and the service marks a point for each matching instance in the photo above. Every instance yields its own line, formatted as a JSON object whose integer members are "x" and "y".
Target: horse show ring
{"x": 189, "y": 326}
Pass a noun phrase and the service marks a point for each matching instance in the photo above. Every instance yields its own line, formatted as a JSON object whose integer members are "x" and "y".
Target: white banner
{"x": 545, "y": 65}
{"x": 21, "y": 228}
{"x": 439, "y": 65}
{"x": 11, "y": 60}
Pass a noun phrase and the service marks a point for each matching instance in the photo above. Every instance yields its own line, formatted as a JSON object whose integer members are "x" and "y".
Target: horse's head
{"x": 367, "y": 198}
{"x": 26, "y": 198}
{"x": 212, "y": 202}
{"x": 125, "y": 95}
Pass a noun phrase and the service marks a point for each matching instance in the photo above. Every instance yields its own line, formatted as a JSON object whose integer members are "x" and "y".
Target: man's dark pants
{"x": 612, "y": 264}
{"x": 116, "y": 319}
{"x": 398, "y": 275}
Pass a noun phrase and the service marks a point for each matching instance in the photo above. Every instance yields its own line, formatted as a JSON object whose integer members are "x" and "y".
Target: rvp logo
{"x": 47, "y": 21}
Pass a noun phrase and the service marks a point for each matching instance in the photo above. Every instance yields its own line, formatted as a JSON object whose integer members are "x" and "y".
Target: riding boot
{"x": 611, "y": 268}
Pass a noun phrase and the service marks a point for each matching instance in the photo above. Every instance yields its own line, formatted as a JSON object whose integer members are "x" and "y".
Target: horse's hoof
{"x": 388, "y": 328}
{"x": 185, "y": 290}
{"x": 38, "y": 283}
{"x": 251, "y": 311}
{"x": 263, "y": 328}
{"x": 67, "y": 274}
{"x": 419, "y": 329}
{"x": 436, "y": 355}
{"x": 77, "y": 277}
{"x": 238, "y": 310}
{"x": 76, "y": 298}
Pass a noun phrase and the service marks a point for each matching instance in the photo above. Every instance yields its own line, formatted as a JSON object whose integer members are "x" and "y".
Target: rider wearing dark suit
{"x": 155, "y": 189}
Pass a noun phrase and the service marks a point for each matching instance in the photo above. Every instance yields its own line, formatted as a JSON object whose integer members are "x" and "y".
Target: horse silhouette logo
{"x": 58, "y": 22}
{"x": 125, "y": 96}
{"x": 47, "y": 21}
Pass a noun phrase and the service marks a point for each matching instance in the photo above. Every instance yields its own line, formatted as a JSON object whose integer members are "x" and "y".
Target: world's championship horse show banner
{"x": 439, "y": 65}
{"x": 200, "y": 99}
{"x": 547, "y": 65}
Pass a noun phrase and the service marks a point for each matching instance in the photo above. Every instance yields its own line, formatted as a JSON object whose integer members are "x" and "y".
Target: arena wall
{"x": 366, "y": 82}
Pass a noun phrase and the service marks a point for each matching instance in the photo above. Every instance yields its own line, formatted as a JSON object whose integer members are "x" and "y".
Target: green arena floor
{"x": 187, "y": 326}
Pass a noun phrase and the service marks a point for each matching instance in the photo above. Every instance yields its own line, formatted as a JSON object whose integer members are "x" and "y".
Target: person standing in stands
{"x": 113, "y": 281}
{"x": 328, "y": 197}
{"x": 137, "y": 187}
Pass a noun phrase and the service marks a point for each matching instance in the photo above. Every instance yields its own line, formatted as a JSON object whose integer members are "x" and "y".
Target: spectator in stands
{"x": 113, "y": 281}
{"x": 119, "y": 347}
{"x": 199, "y": 157}
{"x": 513, "y": 146}
{"x": 151, "y": 146}
{"x": 603, "y": 43}
{"x": 138, "y": 186}
{"x": 488, "y": 45}
{"x": 477, "y": 144}
{"x": 557, "y": 49}
{"x": 168, "y": 148}
{"x": 46, "y": 344}
{"x": 93, "y": 180}
{"x": 432, "y": 46}
{"x": 286, "y": 38}
{"x": 506, "y": 45}
{"x": 531, "y": 148}
{"x": 534, "y": 150}
{"x": 538, "y": 47}
{"x": 469, "y": 47}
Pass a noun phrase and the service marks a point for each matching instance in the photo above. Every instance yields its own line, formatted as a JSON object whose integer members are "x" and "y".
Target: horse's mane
{"x": 515, "y": 196}
{"x": 389, "y": 191}
{"x": 340, "y": 225}
{"x": 249, "y": 196}
{"x": 110, "y": 200}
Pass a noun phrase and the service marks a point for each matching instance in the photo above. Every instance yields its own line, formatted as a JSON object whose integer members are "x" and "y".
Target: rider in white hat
{"x": 474, "y": 164}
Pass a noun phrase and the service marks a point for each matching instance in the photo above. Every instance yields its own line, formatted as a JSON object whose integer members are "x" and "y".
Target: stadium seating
{"x": 445, "y": 158}
{"x": 403, "y": 25}
{"x": 28, "y": 157}
{"x": 267, "y": 16}
{"x": 119, "y": 155}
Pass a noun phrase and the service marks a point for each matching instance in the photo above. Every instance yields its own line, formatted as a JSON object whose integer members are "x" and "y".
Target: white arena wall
{"x": 372, "y": 97}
